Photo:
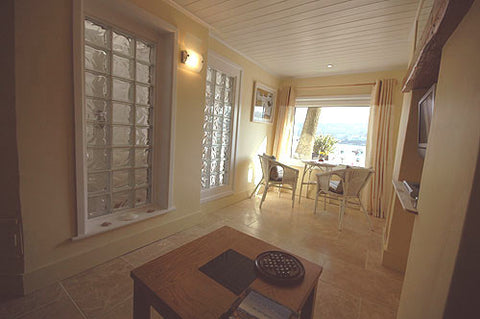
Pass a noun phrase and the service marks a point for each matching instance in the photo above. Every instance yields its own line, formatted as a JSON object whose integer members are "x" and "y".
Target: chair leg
{"x": 325, "y": 202}
{"x": 366, "y": 215}
{"x": 265, "y": 190}
{"x": 340, "y": 216}
{"x": 300, "y": 196}
{"x": 301, "y": 184}
{"x": 256, "y": 188}
{"x": 293, "y": 195}
{"x": 316, "y": 202}
{"x": 308, "y": 182}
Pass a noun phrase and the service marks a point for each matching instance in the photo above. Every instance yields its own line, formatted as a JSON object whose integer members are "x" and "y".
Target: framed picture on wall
{"x": 263, "y": 109}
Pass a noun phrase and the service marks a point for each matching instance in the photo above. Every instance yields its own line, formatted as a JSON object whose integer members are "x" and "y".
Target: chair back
{"x": 266, "y": 163}
{"x": 355, "y": 179}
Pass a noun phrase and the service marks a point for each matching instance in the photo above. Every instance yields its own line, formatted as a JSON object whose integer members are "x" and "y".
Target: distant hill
{"x": 354, "y": 134}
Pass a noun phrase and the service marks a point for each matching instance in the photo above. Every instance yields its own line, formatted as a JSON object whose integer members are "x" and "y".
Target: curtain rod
{"x": 334, "y": 85}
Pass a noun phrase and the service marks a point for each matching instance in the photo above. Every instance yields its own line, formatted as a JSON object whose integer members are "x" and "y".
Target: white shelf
{"x": 407, "y": 202}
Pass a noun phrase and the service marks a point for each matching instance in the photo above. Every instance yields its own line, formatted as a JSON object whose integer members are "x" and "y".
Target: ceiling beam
{"x": 425, "y": 65}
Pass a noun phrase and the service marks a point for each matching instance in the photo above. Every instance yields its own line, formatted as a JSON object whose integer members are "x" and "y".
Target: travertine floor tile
{"x": 62, "y": 308}
{"x": 100, "y": 289}
{"x": 361, "y": 239}
{"x": 211, "y": 223}
{"x": 362, "y": 283}
{"x": 335, "y": 303}
{"x": 374, "y": 263}
{"x": 253, "y": 231}
{"x": 236, "y": 214}
{"x": 353, "y": 284}
{"x": 14, "y": 308}
{"x": 156, "y": 249}
{"x": 370, "y": 310}
{"x": 188, "y": 235}
{"x": 337, "y": 250}
{"x": 305, "y": 252}
{"x": 125, "y": 311}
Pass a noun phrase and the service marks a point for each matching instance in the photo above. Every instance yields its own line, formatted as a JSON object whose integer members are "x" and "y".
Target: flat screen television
{"x": 425, "y": 113}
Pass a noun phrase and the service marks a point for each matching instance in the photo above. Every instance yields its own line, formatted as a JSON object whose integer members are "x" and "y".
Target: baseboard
{"x": 68, "y": 267}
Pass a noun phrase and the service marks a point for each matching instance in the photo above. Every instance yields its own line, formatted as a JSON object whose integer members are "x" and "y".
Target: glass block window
{"x": 217, "y": 129}
{"x": 118, "y": 107}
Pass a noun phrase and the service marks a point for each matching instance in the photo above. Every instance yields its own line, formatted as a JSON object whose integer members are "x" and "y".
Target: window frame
{"x": 224, "y": 65}
{"x": 136, "y": 22}
{"x": 362, "y": 100}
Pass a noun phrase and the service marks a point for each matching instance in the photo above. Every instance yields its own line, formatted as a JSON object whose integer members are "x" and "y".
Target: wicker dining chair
{"x": 351, "y": 182}
{"x": 276, "y": 174}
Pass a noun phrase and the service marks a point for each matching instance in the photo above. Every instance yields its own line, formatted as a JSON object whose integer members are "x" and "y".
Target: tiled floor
{"x": 353, "y": 284}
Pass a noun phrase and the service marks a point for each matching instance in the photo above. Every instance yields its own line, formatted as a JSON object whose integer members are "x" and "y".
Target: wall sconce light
{"x": 192, "y": 60}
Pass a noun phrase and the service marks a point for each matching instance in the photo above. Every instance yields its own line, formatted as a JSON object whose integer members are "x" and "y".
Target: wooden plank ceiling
{"x": 299, "y": 38}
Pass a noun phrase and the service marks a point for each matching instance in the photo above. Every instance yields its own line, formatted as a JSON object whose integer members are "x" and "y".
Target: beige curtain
{"x": 284, "y": 127}
{"x": 379, "y": 148}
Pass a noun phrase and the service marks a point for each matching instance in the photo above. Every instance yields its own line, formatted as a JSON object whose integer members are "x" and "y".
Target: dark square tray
{"x": 232, "y": 270}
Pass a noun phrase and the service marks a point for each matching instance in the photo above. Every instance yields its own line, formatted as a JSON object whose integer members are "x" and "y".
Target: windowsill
{"x": 407, "y": 202}
{"x": 95, "y": 227}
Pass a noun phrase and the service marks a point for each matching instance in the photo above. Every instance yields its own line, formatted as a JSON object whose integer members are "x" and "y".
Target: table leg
{"x": 301, "y": 184}
{"x": 256, "y": 188}
{"x": 307, "y": 310}
{"x": 141, "y": 305}
{"x": 308, "y": 181}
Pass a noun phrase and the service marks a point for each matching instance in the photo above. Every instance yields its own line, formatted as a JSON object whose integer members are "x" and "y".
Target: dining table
{"x": 310, "y": 166}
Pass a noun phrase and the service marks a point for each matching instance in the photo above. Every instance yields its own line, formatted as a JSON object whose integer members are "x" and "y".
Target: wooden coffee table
{"x": 173, "y": 285}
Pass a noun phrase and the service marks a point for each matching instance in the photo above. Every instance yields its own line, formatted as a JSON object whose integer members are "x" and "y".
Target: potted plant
{"x": 323, "y": 145}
